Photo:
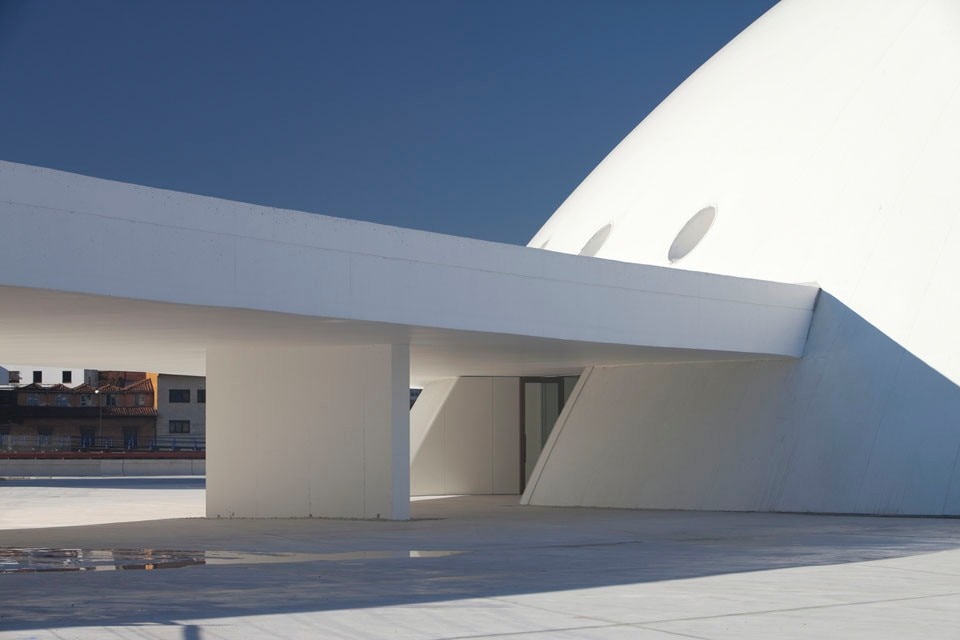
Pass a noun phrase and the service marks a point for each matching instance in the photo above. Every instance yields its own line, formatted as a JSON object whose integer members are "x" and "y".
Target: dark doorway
{"x": 541, "y": 401}
{"x": 130, "y": 440}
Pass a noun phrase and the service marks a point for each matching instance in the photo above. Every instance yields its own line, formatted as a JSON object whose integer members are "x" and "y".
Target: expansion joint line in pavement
{"x": 813, "y": 607}
{"x": 604, "y": 623}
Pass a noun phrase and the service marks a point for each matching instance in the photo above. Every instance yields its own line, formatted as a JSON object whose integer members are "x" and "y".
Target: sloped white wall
{"x": 465, "y": 437}
{"x": 859, "y": 425}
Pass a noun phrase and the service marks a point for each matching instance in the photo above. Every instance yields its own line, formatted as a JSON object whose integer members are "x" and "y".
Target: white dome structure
{"x": 825, "y": 137}
{"x": 820, "y": 145}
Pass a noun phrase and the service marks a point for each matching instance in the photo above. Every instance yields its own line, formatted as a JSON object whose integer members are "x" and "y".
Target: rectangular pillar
{"x": 308, "y": 432}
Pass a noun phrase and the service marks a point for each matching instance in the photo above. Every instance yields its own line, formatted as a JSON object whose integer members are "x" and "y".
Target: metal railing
{"x": 54, "y": 443}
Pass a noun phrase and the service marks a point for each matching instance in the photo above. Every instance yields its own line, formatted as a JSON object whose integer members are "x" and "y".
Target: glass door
{"x": 541, "y": 401}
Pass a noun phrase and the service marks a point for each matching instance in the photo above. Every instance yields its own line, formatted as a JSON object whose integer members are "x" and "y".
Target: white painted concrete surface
{"x": 858, "y": 425}
{"x": 335, "y": 442}
{"x": 826, "y": 136}
{"x": 465, "y": 438}
{"x": 54, "y": 468}
{"x": 232, "y": 272}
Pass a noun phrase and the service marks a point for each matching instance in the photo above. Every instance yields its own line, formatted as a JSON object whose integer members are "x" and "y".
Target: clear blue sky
{"x": 474, "y": 118}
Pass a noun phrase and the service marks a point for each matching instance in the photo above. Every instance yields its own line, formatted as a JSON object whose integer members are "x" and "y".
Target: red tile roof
{"x": 144, "y": 386}
{"x": 145, "y": 412}
{"x": 109, "y": 388}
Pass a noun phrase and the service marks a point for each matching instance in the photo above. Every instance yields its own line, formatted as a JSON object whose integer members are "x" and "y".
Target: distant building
{"x": 20, "y": 374}
{"x": 182, "y": 407}
{"x": 58, "y": 417}
{"x": 121, "y": 378}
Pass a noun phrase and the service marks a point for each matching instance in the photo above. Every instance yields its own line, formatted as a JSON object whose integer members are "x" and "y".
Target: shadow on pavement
{"x": 505, "y": 549}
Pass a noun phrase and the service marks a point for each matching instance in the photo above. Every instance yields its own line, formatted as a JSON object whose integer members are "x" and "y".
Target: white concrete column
{"x": 308, "y": 432}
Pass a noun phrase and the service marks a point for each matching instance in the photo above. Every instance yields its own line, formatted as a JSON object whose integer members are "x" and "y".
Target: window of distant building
{"x": 14, "y": 377}
{"x": 63, "y": 400}
{"x": 33, "y": 400}
{"x": 67, "y": 377}
{"x": 111, "y": 400}
{"x": 201, "y": 395}
{"x": 86, "y": 400}
{"x": 37, "y": 377}
{"x": 179, "y": 426}
{"x": 141, "y": 400}
{"x": 43, "y": 435}
{"x": 179, "y": 395}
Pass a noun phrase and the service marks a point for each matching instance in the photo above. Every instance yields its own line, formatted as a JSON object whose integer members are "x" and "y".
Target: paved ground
{"x": 59, "y": 502}
{"x": 524, "y": 572}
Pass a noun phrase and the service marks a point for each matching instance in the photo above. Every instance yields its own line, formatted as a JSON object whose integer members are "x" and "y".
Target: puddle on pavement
{"x": 32, "y": 560}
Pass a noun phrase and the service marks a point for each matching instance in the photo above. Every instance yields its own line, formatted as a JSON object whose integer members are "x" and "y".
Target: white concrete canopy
{"x": 344, "y": 314}
{"x": 113, "y": 275}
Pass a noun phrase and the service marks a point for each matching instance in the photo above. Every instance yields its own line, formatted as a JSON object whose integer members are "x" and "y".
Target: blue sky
{"x": 474, "y": 118}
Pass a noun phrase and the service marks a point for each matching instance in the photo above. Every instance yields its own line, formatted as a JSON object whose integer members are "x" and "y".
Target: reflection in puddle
{"x": 29, "y": 560}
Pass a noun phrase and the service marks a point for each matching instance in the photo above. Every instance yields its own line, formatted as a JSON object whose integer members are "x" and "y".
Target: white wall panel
{"x": 466, "y": 438}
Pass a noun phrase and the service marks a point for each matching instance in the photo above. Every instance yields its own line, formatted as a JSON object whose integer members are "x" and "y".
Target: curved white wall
{"x": 856, "y": 426}
{"x": 826, "y": 136}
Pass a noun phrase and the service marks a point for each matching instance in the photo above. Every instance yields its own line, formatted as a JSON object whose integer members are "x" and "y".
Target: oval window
{"x": 596, "y": 241}
{"x": 692, "y": 233}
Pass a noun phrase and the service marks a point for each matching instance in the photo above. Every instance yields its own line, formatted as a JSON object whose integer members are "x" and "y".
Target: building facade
{"x": 20, "y": 374}
{"x": 181, "y": 408}
{"x": 58, "y": 417}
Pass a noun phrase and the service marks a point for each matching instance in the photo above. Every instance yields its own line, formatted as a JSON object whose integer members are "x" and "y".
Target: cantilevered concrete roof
{"x": 103, "y": 274}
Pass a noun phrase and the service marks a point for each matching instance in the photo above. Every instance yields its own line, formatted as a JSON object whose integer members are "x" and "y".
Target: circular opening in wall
{"x": 692, "y": 233}
{"x": 596, "y": 241}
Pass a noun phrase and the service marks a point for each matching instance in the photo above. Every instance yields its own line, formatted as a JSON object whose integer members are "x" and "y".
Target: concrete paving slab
{"x": 58, "y": 502}
{"x": 520, "y": 572}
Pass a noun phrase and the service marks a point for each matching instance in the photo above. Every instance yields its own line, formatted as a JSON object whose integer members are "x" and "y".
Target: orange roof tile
{"x": 143, "y": 386}
{"x": 146, "y": 412}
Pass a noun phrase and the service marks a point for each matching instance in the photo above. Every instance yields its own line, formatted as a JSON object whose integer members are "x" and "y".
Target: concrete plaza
{"x": 473, "y": 567}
